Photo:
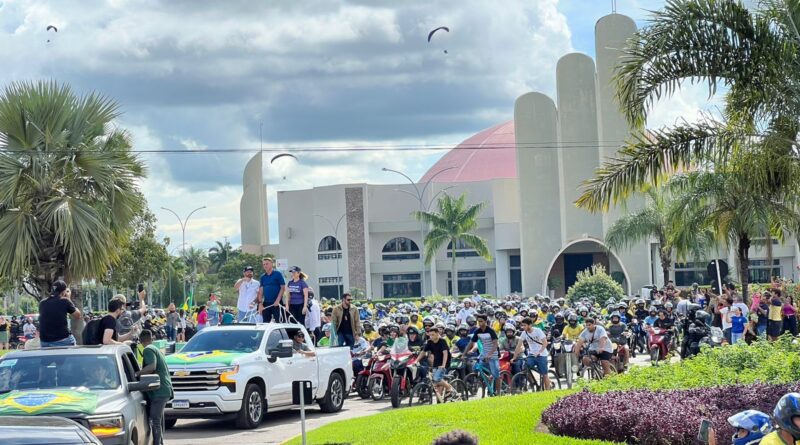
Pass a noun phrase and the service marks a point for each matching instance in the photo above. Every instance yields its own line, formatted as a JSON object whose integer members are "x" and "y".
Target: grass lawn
{"x": 502, "y": 420}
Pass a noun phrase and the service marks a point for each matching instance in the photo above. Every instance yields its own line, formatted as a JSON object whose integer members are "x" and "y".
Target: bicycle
{"x": 527, "y": 379}
{"x": 594, "y": 370}
{"x": 424, "y": 392}
{"x": 481, "y": 378}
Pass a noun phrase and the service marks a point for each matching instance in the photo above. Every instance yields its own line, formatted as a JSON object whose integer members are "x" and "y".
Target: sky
{"x": 239, "y": 75}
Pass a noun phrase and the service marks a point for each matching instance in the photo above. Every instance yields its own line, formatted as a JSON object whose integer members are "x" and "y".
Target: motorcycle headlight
{"x": 107, "y": 426}
{"x": 228, "y": 374}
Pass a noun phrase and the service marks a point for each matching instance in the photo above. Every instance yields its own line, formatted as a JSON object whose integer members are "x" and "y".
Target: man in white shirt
{"x": 596, "y": 338}
{"x": 248, "y": 292}
{"x": 314, "y": 317}
{"x": 537, "y": 350}
{"x": 465, "y": 312}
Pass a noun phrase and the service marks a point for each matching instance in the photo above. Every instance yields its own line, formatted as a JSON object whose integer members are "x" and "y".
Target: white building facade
{"x": 363, "y": 237}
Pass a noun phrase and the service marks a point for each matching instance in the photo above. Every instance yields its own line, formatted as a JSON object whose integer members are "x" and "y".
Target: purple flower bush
{"x": 657, "y": 417}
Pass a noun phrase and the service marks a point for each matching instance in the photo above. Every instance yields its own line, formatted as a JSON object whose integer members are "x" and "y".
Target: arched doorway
{"x": 579, "y": 255}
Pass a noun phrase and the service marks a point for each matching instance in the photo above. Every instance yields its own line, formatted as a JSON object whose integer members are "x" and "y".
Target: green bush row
{"x": 760, "y": 362}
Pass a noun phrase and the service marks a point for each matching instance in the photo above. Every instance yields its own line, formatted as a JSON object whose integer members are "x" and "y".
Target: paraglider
{"x": 274, "y": 158}
{"x": 441, "y": 28}
{"x": 49, "y": 28}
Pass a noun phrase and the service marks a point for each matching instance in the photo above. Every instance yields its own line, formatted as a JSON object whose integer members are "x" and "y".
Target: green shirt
{"x": 324, "y": 341}
{"x": 227, "y": 318}
{"x": 154, "y": 355}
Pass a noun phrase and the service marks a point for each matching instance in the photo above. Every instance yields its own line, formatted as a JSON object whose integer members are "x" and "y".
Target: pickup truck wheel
{"x": 334, "y": 398}
{"x": 170, "y": 423}
{"x": 252, "y": 411}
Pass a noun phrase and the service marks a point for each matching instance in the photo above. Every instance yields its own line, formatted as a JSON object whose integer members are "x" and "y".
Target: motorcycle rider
{"x": 369, "y": 332}
{"x": 787, "y": 418}
{"x": 450, "y": 335}
{"x": 415, "y": 341}
{"x": 508, "y": 343}
{"x": 750, "y": 427}
{"x": 463, "y": 337}
{"x": 558, "y": 327}
{"x": 664, "y": 322}
{"x": 640, "y": 312}
{"x": 573, "y": 329}
{"x": 616, "y": 332}
{"x": 650, "y": 320}
{"x": 697, "y": 331}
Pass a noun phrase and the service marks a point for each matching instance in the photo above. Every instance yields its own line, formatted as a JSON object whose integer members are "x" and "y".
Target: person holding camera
{"x": 248, "y": 294}
{"x": 108, "y": 324}
{"x": 53, "y": 311}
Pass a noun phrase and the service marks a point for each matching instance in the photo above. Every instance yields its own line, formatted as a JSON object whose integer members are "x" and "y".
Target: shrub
{"x": 777, "y": 362}
{"x": 657, "y": 417}
{"x": 595, "y": 283}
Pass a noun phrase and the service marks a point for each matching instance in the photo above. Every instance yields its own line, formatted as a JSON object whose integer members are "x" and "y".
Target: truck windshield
{"x": 237, "y": 340}
{"x": 98, "y": 372}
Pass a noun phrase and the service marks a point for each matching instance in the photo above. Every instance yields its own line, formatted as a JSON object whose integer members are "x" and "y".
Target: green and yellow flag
{"x": 47, "y": 402}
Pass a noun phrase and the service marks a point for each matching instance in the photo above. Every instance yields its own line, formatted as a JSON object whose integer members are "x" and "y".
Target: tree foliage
{"x": 143, "y": 258}
{"x": 595, "y": 283}
{"x": 68, "y": 185}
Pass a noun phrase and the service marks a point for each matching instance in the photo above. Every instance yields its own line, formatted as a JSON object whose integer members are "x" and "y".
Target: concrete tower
{"x": 253, "y": 208}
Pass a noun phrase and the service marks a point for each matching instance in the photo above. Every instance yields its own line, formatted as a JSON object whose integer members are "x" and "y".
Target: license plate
{"x": 180, "y": 404}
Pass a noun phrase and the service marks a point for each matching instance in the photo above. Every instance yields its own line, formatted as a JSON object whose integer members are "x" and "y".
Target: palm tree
{"x": 453, "y": 223}
{"x": 655, "y": 221}
{"x": 220, "y": 254}
{"x": 68, "y": 185}
{"x": 755, "y": 54}
{"x": 722, "y": 202}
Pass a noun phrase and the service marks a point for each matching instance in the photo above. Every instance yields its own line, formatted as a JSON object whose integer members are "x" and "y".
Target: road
{"x": 283, "y": 425}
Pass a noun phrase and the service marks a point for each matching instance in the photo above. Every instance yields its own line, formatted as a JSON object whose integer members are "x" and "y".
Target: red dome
{"x": 486, "y": 155}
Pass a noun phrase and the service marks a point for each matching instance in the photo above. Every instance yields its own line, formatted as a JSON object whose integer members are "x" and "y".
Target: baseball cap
{"x": 250, "y": 268}
{"x": 294, "y": 269}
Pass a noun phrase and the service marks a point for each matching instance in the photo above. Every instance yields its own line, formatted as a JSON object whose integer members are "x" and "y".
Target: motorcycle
{"x": 404, "y": 376}
{"x": 638, "y": 339}
{"x": 458, "y": 367}
{"x": 618, "y": 358}
{"x": 659, "y": 340}
{"x": 360, "y": 382}
{"x": 380, "y": 376}
{"x": 714, "y": 339}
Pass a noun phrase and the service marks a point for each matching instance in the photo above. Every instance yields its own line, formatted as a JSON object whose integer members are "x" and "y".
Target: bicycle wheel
{"x": 554, "y": 380}
{"x": 421, "y": 394}
{"x": 461, "y": 390}
{"x": 475, "y": 385}
{"x": 505, "y": 382}
{"x": 520, "y": 383}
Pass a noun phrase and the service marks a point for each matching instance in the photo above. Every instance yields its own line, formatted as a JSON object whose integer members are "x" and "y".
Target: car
{"x": 243, "y": 371}
{"x": 44, "y": 430}
{"x": 96, "y": 386}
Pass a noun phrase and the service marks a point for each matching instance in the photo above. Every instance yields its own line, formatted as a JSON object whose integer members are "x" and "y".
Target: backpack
{"x": 91, "y": 333}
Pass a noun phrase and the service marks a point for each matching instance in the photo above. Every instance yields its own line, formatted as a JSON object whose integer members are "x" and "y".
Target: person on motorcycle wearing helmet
{"x": 472, "y": 322}
{"x": 787, "y": 419}
{"x": 616, "y": 332}
{"x": 415, "y": 340}
{"x": 558, "y": 326}
{"x": 383, "y": 337}
{"x": 463, "y": 337}
{"x": 466, "y": 311}
{"x": 427, "y": 323}
{"x": 450, "y": 334}
{"x": 508, "y": 342}
{"x": 500, "y": 318}
{"x": 573, "y": 329}
{"x": 652, "y": 317}
{"x": 697, "y": 330}
{"x": 640, "y": 312}
{"x": 583, "y": 313}
{"x": 415, "y": 321}
{"x": 663, "y": 321}
{"x": 369, "y": 331}
{"x": 750, "y": 427}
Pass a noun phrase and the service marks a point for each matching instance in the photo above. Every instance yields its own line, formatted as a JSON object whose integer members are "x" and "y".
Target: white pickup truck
{"x": 243, "y": 371}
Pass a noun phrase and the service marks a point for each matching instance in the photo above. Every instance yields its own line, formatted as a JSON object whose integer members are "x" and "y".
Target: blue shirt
{"x": 271, "y": 285}
{"x": 296, "y": 291}
{"x": 737, "y": 324}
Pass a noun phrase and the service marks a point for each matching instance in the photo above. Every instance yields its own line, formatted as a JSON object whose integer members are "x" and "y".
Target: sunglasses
{"x": 300, "y": 336}
{"x": 349, "y": 300}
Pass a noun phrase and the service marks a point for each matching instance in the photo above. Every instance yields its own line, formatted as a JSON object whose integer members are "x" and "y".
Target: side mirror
{"x": 147, "y": 382}
{"x": 283, "y": 350}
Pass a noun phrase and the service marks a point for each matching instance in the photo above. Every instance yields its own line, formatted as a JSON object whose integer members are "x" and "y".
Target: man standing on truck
{"x": 270, "y": 294}
{"x": 345, "y": 321}
{"x": 154, "y": 362}
{"x": 248, "y": 293}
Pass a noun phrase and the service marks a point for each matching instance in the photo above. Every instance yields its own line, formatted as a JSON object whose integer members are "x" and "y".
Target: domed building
{"x": 529, "y": 171}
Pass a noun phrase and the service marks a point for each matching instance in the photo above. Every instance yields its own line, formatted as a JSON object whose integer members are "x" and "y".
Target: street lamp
{"x": 183, "y": 223}
{"x": 419, "y": 195}
{"x": 335, "y": 228}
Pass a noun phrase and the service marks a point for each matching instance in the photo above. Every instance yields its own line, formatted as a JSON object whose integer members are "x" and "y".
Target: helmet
{"x": 653, "y": 310}
{"x": 668, "y": 305}
{"x": 466, "y": 300}
{"x": 471, "y": 319}
{"x": 615, "y": 314}
{"x": 703, "y": 316}
{"x": 450, "y": 327}
{"x": 755, "y": 422}
{"x": 622, "y": 306}
{"x": 611, "y": 301}
{"x": 572, "y": 317}
{"x": 509, "y": 327}
{"x": 639, "y": 302}
{"x": 559, "y": 317}
{"x": 439, "y": 326}
{"x": 692, "y": 307}
{"x": 786, "y": 410}
{"x": 427, "y": 321}
{"x": 463, "y": 327}
{"x": 326, "y": 327}
{"x": 412, "y": 330}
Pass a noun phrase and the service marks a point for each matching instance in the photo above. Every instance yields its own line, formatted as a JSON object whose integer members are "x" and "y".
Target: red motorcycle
{"x": 404, "y": 376}
{"x": 660, "y": 340}
{"x": 380, "y": 375}
{"x": 360, "y": 384}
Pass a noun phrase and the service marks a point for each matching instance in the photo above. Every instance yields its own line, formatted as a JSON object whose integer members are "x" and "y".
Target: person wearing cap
{"x": 297, "y": 304}
{"x": 271, "y": 290}
{"x": 248, "y": 293}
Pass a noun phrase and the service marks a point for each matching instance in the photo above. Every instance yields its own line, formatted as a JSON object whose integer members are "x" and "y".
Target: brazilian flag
{"x": 47, "y": 402}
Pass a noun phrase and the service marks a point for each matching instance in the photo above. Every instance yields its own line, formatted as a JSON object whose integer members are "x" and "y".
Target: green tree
{"x": 143, "y": 258}
{"x": 655, "y": 221}
{"x": 453, "y": 223}
{"x": 755, "y": 54}
{"x": 68, "y": 185}
{"x": 220, "y": 254}
{"x": 722, "y": 202}
{"x": 595, "y": 283}
{"x": 233, "y": 269}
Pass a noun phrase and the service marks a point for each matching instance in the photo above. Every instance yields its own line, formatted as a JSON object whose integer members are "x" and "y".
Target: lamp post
{"x": 335, "y": 228}
{"x": 183, "y": 223}
{"x": 419, "y": 195}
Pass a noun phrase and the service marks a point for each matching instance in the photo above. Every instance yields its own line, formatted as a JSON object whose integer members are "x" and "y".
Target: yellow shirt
{"x": 774, "y": 439}
{"x": 775, "y": 312}
{"x": 371, "y": 336}
{"x": 571, "y": 333}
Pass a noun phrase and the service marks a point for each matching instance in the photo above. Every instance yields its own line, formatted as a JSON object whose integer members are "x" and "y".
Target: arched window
{"x": 462, "y": 250}
{"x": 400, "y": 249}
{"x": 329, "y": 249}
